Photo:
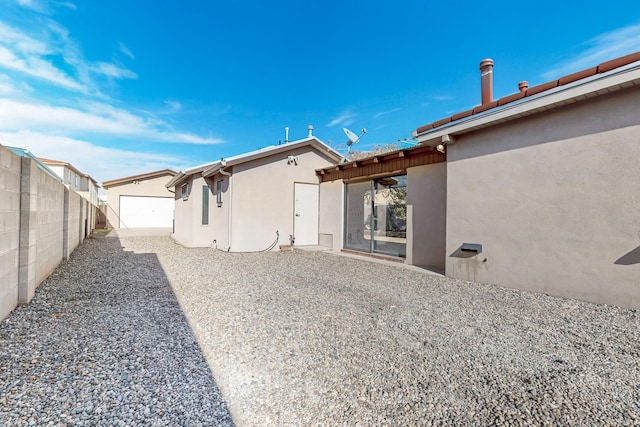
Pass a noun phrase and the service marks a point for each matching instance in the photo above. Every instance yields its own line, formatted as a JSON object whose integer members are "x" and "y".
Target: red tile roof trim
{"x": 578, "y": 76}
{"x": 534, "y": 90}
{"x": 461, "y": 115}
{"x": 510, "y": 98}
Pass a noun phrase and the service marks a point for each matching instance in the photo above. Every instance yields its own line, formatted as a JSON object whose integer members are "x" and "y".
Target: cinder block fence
{"x": 41, "y": 223}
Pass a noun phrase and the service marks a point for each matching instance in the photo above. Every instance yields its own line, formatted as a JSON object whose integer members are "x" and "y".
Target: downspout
{"x": 223, "y": 163}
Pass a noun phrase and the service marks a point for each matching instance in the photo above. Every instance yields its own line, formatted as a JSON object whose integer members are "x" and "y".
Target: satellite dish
{"x": 353, "y": 139}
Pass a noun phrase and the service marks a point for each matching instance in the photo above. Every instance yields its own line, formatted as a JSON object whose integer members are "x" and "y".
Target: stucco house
{"x": 254, "y": 201}
{"x": 537, "y": 190}
{"x": 79, "y": 182}
{"x": 140, "y": 201}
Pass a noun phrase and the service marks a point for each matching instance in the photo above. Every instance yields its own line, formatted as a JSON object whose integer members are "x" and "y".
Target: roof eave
{"x": 554, "y": 98}
{"x": 146, "y": 176}
{"x": 311, "y": 141}
{"x": 212, "y": 170}
{"x": 176, "y": 178}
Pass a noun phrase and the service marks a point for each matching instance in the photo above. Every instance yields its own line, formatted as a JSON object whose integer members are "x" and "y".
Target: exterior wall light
{"x": 446, "y": 140}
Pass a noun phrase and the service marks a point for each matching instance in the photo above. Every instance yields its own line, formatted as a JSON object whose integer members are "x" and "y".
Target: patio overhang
{"x": 392, "y": 163}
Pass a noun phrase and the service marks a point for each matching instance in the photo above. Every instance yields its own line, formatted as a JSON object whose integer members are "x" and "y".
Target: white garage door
{"x": 146, "y": 212}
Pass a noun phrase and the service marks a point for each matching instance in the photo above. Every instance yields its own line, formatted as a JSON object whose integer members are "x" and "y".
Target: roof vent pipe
{"x": 523, "y": 86}
{"x": 286, "y": 134}
{"x": 486, "y": 80}
{"x": 310, "y": 130}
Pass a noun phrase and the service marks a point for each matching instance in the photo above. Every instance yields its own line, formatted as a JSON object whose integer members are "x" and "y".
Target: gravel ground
{"x": 311, "y": 338}
{"x": 105, "y": 342}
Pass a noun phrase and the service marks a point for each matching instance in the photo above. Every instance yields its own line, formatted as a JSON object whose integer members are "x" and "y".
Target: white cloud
{"x": 113, "y": 71}
{"x": 67, "y": 4}
{"x": 174, "y": 105}
{"x": 66, "y": 107}
{"x": 38, "y": 68}
{"x": 43, "y": 6}
{"x": 124, "y": 49}
{"x": 99, "y": 118}
{"x": 382, "y": 113}
{"x": 21, "y": 41}
{"x": 601, "y": 48}
{"x": 344, "y": 119}
{"x": 443, "y": 98}
{"x": 102, "y": 163}
{"x": 9, "y": 87}
{"x": 31, "y": 4}
{"x": 6, "y": 86}
{"x": 21, "y": 53}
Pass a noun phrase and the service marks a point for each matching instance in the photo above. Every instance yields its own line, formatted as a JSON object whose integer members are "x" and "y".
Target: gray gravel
{"x": 104, "y": 342}
{"x": 312, "y": 338}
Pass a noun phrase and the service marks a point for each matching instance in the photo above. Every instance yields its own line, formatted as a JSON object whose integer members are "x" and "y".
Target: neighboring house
{"x": 140, "y": 201}
{"x": 74, "y": 179}
{"x": 79, "y": 182}
{"x": 539, "y": 190}
{"x": 254, "y": 201}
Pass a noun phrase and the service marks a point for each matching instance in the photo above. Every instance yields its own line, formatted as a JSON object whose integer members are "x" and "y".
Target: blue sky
{"x": 119, "y": 88}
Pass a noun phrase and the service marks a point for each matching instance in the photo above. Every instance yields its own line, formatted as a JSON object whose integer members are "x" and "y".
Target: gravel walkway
{"x": 311, "y": 338}
{"x": 104, "y": 342}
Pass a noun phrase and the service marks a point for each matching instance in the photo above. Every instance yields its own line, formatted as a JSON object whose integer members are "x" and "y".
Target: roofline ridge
{"x": 602, "y": 68}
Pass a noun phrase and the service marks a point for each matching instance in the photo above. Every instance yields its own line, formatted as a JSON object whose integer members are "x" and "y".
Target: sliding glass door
{"x": 357, "y": 227}
{"x": 376, "y": 216}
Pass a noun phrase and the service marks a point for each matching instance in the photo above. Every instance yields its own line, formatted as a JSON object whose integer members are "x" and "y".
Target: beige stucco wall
{"x": 262, "y": 194}
{"x": 189, "y": 230}
{"x": 331, "y": 214}
{"x": 154, "y": 187}
{"x": 554, "y": 201}
{"x": 427, "y": 197}
{"x": 183, "y": 229}
{"x": 221, "y": 216}
{"x": 9, "y": 230}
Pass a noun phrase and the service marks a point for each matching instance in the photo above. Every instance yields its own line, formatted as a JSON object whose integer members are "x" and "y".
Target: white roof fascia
{"x": 177, "y": 177}
{"x": 212, "y": 170}
{"x": 562, "y": 95}
{"x": 264, "y": 152}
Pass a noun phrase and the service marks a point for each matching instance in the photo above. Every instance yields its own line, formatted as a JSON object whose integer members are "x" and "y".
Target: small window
{"x": 77, "y": 180}
{"x": 219, "y": 193}
{"x": 185, "y": 191}
{"x": 205, "y": 205}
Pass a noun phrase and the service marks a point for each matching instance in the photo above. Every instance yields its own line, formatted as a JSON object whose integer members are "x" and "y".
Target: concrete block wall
{"x": 41, "y": 223}
{"x": 10, "y": 167}
{"x": 49, "y": 209}
{"x": 75, "y": 214}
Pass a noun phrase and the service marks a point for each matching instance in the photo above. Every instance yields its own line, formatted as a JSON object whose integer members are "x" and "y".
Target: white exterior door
{"x": 146, "y": 212}
{"x": 305, "y": 220}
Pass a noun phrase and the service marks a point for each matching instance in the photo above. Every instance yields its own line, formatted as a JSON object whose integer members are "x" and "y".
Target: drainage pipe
{"x": 228, "y": 175}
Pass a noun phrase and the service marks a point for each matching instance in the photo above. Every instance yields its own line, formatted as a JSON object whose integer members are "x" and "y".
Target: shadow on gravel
{"x": 105, "y": 342}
